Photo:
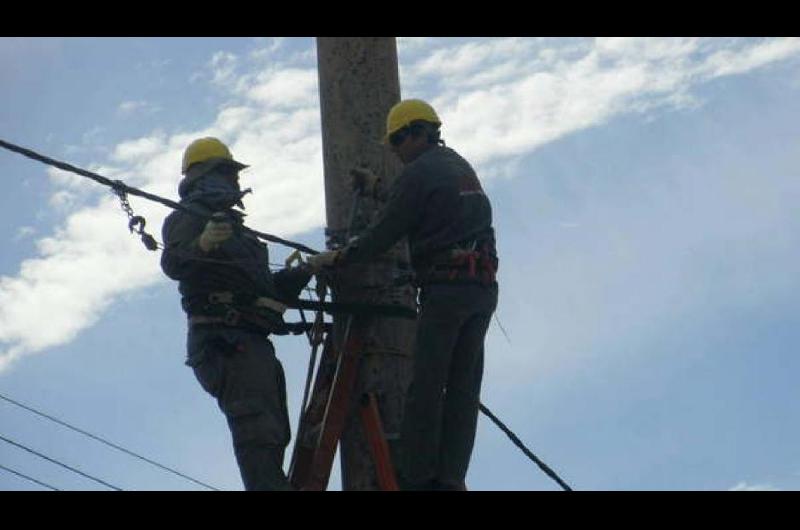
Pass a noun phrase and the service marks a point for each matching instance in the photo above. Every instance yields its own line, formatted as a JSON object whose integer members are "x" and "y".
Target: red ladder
{"x": 323, "y": 420}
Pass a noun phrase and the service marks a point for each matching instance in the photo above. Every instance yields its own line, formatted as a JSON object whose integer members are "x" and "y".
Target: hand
{"x": 214, "y": 234}
{"x": 323, "y": 259}
{"x": 364, "y": 180}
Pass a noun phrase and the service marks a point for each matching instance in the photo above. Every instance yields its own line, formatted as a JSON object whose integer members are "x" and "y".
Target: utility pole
{"x": 358, "y": 84}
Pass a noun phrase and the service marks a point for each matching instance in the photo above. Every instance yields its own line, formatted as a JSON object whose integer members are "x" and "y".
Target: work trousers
{"x": 239, "y": 368}
{"x": 441, "y": 410}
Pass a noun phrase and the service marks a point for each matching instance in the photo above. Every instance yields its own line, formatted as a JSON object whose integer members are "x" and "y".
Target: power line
{"x": 26, "y": 477}
{"x": 65, "y": 466}
{"x": 544, "y": 467}
{"x": 106, "y": 442}
{"x": 121, "y": 189}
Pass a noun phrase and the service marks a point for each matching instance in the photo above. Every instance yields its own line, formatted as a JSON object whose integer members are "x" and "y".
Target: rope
{"x": 120, "y": 187}
{"x": 26, "y": 477}
{"x": 505, "y": 334}
{"x": 544, "y": 467}
{"x": 65, "y": 466}
{"x": 106, "y": 442}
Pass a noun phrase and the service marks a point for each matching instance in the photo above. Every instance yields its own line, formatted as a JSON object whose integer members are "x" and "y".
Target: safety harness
{"x": 473, "y": 263}
{"x": 224, "y": 308}
{"x": 265, "y": 315}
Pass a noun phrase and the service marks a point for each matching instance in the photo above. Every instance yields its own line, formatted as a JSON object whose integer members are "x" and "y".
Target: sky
{"x": 644, "y": 194}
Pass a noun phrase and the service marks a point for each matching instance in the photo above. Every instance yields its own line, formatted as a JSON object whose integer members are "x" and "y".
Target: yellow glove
{"x": 214, "y": 234}
{"x": 365, "y": 181}
{"x": 323, "y": 259}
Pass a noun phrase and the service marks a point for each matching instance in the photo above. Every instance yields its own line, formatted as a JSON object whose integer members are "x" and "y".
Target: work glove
{"x": 214, "y": 234}
{"x": 365, "y": 181}
{"x": 323, "y": 259}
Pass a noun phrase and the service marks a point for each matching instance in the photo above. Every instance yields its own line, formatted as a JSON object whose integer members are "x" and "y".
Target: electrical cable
{"x": 106, "y": 442}
{"x": 65, "y": 466}
{"x": 26, "y": 477}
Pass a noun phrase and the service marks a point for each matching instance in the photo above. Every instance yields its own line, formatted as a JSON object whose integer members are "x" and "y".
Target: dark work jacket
{"x": 239, "y": 265}
{"x": 438, "y": 203}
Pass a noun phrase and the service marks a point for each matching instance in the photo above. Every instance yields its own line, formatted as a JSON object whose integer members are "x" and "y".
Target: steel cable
{"x": 121, "y": 187}
{"x": 54, "y": 461}
{"x": 26, "y": 477}
{"x": 544, "y": 467}
{"x": 106, "y": 442}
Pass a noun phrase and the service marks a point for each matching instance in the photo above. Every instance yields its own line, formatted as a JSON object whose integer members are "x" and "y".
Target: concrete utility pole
{"x": 358, "y": 84}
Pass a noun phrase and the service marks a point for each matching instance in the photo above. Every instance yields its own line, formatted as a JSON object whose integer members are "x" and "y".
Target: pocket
{"x": 205, "y": 359}
{"x": 254, "y": 396}
{"x": 252, "y": 423}
{"x": 208, "y": 373}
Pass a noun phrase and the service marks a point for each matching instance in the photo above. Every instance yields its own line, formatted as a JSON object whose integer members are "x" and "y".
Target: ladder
{"x": 323, "y": 419}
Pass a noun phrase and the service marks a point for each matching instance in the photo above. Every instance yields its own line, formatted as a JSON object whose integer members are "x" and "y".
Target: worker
{"x": 233, "y": 303}
{"x": 439, "y": 204}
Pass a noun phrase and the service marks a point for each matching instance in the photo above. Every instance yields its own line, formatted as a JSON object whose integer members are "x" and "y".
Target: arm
{"x": 180, "y": 234}
{"x": 290, "y": 281}
{"x": 398, "y": 218}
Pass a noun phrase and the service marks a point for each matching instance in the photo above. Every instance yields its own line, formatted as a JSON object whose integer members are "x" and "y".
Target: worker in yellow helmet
{"x": 439, "y": 204}
{"x": 233, "y": 303}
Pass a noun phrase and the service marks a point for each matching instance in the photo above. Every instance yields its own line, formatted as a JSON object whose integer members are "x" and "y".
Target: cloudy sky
{"x": 643, "y": 192}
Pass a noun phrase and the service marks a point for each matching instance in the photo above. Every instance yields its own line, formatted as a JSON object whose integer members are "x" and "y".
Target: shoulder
{"x": 179, "y": 224}
{"x": 427, "y": 163}
{"x": 442, "y": 159}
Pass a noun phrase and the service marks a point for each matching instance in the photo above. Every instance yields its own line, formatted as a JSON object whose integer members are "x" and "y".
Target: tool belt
{"x": 476, "y": 264}
{"x": 224, "y": 308}
{"x": 293, "y": 328}
{"x": 265, "y": 315}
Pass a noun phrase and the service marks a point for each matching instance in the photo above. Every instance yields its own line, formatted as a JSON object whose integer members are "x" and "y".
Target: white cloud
{"x": 223, "y": 66}
{"x": 93, "y": 135}
{"x": 466, "y": 60}
{"x": 504, "y": 97}
{"x": 281, "y": 88}
{"x": 759, "y": 53}
{"x": 127, "y": 108}
{"x": 269, "y": 47}
{"x": 132, "y": 150}
{"x": 70, "y": 281}
{"x": 67, "y": 179}
{"x": 63, "y": 199}
{"x": 24, "y": 232}
{"x": 412, "y": 42}
{"x": 744, "y": 486}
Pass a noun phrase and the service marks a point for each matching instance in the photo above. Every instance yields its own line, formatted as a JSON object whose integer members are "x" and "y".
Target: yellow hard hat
{"x": 408, "y": 111}
{"x": 204, "y": 149}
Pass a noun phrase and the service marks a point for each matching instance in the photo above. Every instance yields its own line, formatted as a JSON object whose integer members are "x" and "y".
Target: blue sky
{"x": 644, "y": 193}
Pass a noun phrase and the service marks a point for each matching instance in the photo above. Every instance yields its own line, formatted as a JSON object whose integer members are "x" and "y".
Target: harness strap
{"x": 294, "y": 328}
{"x": 228, "y": 298}
{"x": 474, "y": 264}
{"x": 232, "y": 302}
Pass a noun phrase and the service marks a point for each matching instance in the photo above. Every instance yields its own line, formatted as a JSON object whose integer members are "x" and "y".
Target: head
{"x": 205, "y": 155}
{"x": 412, "y": 127}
